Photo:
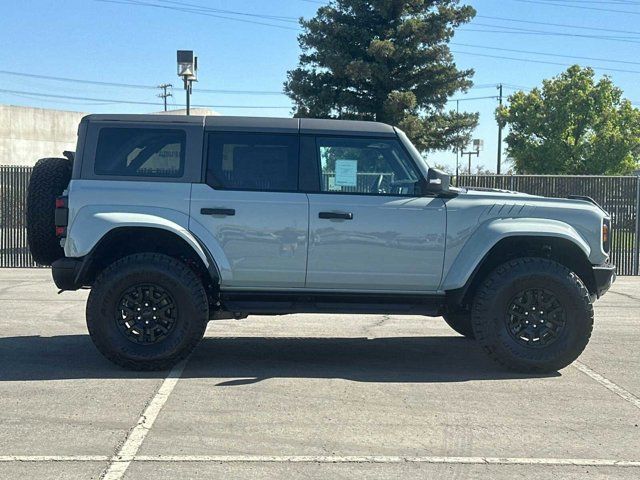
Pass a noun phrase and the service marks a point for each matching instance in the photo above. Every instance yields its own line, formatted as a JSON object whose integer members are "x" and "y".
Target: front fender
{"x": 90, "y": 224}
{"x": 490, "y": 233}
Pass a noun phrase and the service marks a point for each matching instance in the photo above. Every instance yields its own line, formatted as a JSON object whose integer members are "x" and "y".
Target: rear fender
{"x": 91, "y": 224}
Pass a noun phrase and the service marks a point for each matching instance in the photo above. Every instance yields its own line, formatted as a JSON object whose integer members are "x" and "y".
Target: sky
{"x": 245, "y": 48}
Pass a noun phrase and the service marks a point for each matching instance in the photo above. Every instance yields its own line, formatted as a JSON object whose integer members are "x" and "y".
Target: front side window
{"x": 365, "y": 166}
{"x": 253, "y": 161}
{"x": 140, "y": 152}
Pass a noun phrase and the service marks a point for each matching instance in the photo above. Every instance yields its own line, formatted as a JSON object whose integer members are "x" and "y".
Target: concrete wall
{"x": 193, "y": 111}
{"x": 28, "y": 134}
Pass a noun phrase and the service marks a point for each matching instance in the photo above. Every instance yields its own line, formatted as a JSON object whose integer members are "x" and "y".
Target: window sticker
{"x": 346, "y": 173}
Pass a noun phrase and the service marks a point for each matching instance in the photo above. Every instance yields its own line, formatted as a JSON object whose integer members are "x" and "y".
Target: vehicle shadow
{"x": 246, "y": 360}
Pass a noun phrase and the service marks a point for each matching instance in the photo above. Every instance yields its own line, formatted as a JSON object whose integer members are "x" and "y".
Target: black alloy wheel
{"x": 536, "y": 318}
{"x": 146, "y": 314}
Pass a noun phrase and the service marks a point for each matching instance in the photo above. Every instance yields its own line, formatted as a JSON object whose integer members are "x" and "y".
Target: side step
{"x": 280, "y": 303}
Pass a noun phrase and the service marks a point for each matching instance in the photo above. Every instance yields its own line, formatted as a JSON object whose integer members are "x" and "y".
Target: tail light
{"x": 61, "y": 216}
{"x": 606, "y": 235}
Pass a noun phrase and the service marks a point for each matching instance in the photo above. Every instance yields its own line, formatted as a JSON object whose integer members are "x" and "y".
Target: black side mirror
{"x": 437, "y": 183}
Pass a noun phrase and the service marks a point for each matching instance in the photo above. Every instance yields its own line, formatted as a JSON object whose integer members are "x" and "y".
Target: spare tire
{"x": 49, "y": 179}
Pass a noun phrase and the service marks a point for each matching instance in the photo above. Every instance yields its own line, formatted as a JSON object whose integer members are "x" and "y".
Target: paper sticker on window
{"x": 346, "y": 173}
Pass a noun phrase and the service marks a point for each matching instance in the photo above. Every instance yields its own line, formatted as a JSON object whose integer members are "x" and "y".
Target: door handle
{"x": 228, "y": 212}
{"x": 336, "y": 215}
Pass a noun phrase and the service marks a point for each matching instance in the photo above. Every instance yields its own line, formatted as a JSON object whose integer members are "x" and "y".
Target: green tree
{"x": 388, "y": 61}
{"x": 573, "y": 125}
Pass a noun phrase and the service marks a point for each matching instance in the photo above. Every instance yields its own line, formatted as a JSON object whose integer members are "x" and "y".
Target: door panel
{"x": 389, "y": 243}
{"x": 263, "y": 235}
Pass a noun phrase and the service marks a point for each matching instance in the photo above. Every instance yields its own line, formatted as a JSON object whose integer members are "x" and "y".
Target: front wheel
{"x": 147, "y": 312}
{"x": 532, "y": 315}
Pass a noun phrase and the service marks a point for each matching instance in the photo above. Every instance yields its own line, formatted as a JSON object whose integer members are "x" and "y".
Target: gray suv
{"x": 175, "y": 221}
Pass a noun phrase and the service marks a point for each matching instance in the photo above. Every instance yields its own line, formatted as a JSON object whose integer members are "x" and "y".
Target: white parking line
{"x": 608, "y": 384}
{"x": 120, "y": 461}
{"x": 387, "y": 459}
{"x": 581, "y": 462}
{"x": 54, "y": 458}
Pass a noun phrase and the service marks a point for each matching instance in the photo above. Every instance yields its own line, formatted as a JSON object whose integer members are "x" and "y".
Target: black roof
{"x": 259, "y": 124}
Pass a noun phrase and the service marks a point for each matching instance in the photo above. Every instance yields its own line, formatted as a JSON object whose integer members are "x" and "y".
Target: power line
{"x": 520, "y": 30}
{"x": 197, "y": 12}
{"x": 467, "y": 99}
{"x": 563, "y": 25}
{"x": 281, "y": 18}
{"x": 76, "y": 80}
{"x": 154, "y": 87}
{"x": 599, "y": 2}
{"x": 541, "y": 61}
{"x": 136, "y": 86}
{"x": 543, "y": 53}
{"x": 130, "y": 102}
{"x": 543, "y": 33}
{"x": 241, "y": 92}
{"x": 609, "y": 10}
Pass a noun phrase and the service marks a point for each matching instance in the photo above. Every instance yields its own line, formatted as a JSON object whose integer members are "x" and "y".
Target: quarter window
{"x": 365, "y": 166}
{"x": 140, "y": 152}
{"x": 253, "y": 161}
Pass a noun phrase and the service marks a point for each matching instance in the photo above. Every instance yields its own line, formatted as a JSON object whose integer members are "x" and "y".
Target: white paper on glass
{"x": 346, "y": 173}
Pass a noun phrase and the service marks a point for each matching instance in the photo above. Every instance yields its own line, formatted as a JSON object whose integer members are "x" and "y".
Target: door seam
{"x": 306, "y": 264}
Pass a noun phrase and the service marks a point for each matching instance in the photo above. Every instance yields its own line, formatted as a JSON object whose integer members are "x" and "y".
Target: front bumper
{"x": 604, "y": 276}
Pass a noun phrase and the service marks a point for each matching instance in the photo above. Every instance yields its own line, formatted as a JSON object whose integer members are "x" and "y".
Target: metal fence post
{"x": 636, "y": 249}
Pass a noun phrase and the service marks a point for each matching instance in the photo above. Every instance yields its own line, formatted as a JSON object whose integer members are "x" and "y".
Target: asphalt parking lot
{"x": 313, "y": 396}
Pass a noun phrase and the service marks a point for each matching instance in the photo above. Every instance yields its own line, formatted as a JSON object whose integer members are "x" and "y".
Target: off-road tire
{"x": 490, "y": 319}
{"x": 48, "y": 180}
{"x": 460, "y": 321}
{"x": 169, "y": 274}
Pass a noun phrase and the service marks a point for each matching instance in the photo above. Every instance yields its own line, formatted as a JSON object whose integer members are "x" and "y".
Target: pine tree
{"x": 387, "y": 61}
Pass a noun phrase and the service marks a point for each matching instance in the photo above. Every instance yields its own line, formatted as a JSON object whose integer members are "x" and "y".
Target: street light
{"x": 478, "y": 146}
{"x": 188, "y": 70}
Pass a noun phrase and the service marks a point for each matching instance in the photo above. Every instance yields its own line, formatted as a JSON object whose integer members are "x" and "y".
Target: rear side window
{"x": 253, "y": 161}
{"x": 140, "y": 152}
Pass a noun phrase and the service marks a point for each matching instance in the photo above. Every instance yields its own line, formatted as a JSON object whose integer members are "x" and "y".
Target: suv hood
{"x": 506, "y": 195}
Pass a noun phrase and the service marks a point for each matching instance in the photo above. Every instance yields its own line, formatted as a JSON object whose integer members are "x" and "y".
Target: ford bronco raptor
{"x": 173, "y": 221}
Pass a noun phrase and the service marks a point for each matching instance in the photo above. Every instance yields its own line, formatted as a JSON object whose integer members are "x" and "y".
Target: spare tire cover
{"x": 48, "y": 180}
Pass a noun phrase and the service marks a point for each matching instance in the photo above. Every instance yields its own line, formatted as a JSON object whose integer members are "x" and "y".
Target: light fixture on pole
{"x": 188, "y": 71}
{"x": 478, "y": 146}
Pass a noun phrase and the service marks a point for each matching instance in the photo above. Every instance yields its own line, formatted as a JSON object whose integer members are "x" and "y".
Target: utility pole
{"x": 165, "y": 93}
{"x": 457, "y": 150}
{"x": 499, "y": 135}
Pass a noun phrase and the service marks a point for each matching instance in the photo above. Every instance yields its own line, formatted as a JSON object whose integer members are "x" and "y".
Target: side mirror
{"x": 437, "y": 183}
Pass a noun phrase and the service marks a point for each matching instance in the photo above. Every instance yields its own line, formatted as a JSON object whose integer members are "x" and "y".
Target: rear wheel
{"x": 460, "y": 321}
{"x": 147, "y": 312}
{"x": 49, "y": 178}
{"x": 533, "y": 315}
